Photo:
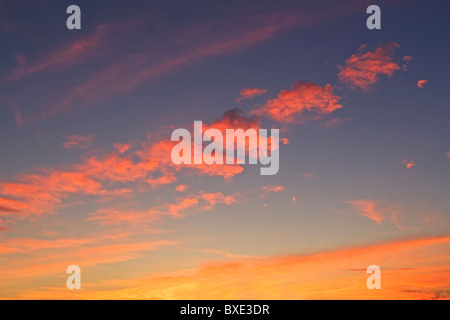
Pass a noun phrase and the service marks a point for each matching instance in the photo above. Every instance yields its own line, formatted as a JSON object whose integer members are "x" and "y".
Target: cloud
{"x": 69, "y": 54}
{"x": 418, "y": 272}
{"x": 182, "y": 188}
{"x": 409, "y": 163}
{"x": 421, "y": 83}
{"x": 78, "y": 141}
{"x": 304, "y": 101}
{"x": 250, "y": 93}
{"x": 267, "y": 189}
{"x": 60, "y": 253}
{"x": 122, "y": 147}
{"x": 367, "y": 209}
{"x": 176, "y": 50}
{"x": 372, "y": 210}
{"x": 272, "y": 188}
{"x": 448, "y": 154}
{"x": 407, "y": 59}
{"x": 202, "y": 201}
{"x": 150, "y": 54}
{"x": 213, "y": 199}
{"x": 364, "y": 68}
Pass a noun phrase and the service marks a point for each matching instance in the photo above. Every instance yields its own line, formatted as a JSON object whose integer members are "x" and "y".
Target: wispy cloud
{"x": 414, "y": 274}
{"x": 78, "y": 141}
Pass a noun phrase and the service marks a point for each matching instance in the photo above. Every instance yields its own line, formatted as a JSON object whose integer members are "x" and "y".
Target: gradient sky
{"x": 85, "y": 171}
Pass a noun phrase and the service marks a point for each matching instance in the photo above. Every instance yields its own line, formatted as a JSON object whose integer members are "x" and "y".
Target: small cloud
{"x": 363, "y": 69}
{"x": 421, "y": 83}
{"x": 366, "y": 208}
{"x": 304, "y": 101}
{"x": 307, "y": 175}
{"x": 294, "y": 199}
{"x": 250, "y": 93}
{"x": 448, "y": 154}
{"x": 285, "y": 141}
{"x": 181, "y": 188}
{"x": 78, "y": 141}
{"x": 407, "y": 59}
{"x": 409, "y": 163}
{"x": 271, "y": 189}
{"x": 122, "y": 147}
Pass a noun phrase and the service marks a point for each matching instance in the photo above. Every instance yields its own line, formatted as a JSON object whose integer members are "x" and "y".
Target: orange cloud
{"x": 367, "y": 209}
{"x": 370, "y": 209}
{"x": 364, "y": 68}
{"x": 250, "y": 93}
{"x": 407, "y": 59}
{"x": 78, "y": 141}
{"x": 418, "y": 272}
{"x": 272, "y": 188}
{"x": 64, "y": 252}
{"x": 305, "y": 101}
{"x": 121, "y": 147}
{"x": 267, "y": 189}
{"x": 421, "y": 83}
{"x": 203, "y": 201}
{"x": 181, "y": 188}
{"x": 409, "y": 163}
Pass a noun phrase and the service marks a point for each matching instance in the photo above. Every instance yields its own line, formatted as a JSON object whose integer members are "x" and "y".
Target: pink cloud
{"x": 409, "y": 163}
{"x": 407, "y": 59}
{"x": 69, "y": 54}
{"x": 267, "y": 189}
{"x": 182, "y": 188}
{"x": 173, "y": 49}
{"x": 272, "y": 188}
{"x": 367, "y": 209}
{"x": 304, "y": 101}
{"x": 122, "y": 147}
{"x": 250, "y": 93}
{"x": 363, "y": 69}
{"x": 202, "y": 201}
{"x": 375, "y": 211}
{"x": 421, "y": 83}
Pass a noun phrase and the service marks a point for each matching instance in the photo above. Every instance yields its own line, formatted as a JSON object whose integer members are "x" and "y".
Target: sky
{"x": 86, "y": 176}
